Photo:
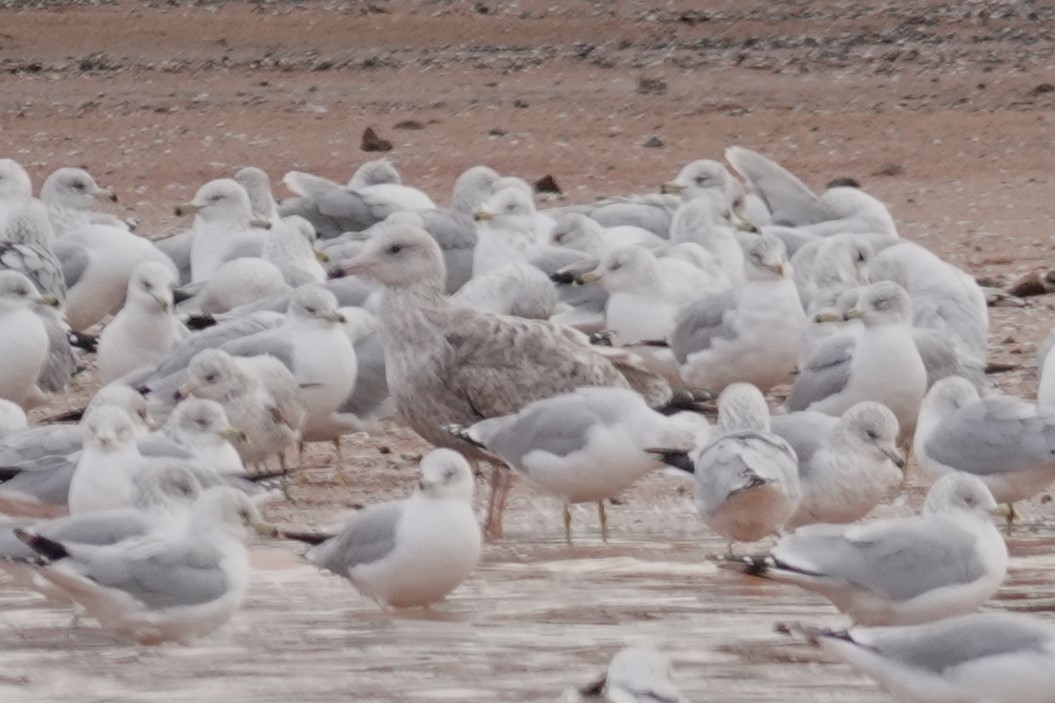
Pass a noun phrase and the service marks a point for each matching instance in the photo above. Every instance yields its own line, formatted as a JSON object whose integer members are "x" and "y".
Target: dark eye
{"x": 309, "y": 310}
{"x": 147, "y": 285}
{"x": 210, "y": 378}
{"x": 968, "y": 500}
{"x": 78, "y": 186}
{"x": 394, "y": 248}
{"x": 201, "y": 423}
{"x": 700, "y": 180}
{"x": 872, "y": 435}
{"x": 216, "y": 198}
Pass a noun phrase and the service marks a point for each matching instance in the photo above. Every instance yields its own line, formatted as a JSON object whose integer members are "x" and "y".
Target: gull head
{"x": 579, "y": 232}
{"x": 399, "y": 256}
{"x": 222, "y": 200}
{"x": 74, "y": 188}
{"x": 768, "y": 257}
{"x": 17, "y": 291}
{"x": 639, "y": 674}
{"x": 472, "y": 188}
{"x": 109, "y": 429}
{"x": 446, "y": 474}
{"x": 230, "y": 510}
{"x": 700, "y": 176}
{"x": 203, "y": 421}
{"x": 696, "y": 219}
{"x": 742, "y": 408}
{"x": 257, "y": 185}
{"x": 509, "y": 209}
{"x": 961, "y": 494}
{"x": 166, "y": 485}
{"x": 124, "y": 397}
{"x": 949, "y": 395}
{"x": 375, "y": 173}
{"x": 882, "y": 303}
{"x": 842, "y": 260}
{"x": 316, "y": 305}
{"x": 14, "y": 181}
{"x": 873, "y": 427}
{"x": 152, "y": 286}
{"x": 624, "y": 269}
{"x": 213, "y": 374}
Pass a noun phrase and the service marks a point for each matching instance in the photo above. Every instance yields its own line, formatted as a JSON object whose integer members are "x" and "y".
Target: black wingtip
{"x": 461, "y": 432}
{"x": 811, "y": 634}
{"x": 674, "y": 457}
{"x": 312, "y": 538}
{"x": 661, "y": 343}
{"x": 181, "y": 296}
{"x": 82, "y": 340}
{"x": 683, "y": 399}
{"x": 48, "y": 548}
{"x": 562, "y": 278}
{"x": 602, "y": 338}
{"x": 750, "y": 565}
{"x": 200, "y": 322}
{"x": 75, "y": 415}
{"x": 8, "y": 472}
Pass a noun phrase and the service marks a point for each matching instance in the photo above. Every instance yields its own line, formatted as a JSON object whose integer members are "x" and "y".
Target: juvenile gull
{"x": 749, "y": 333}
{"x": 412, "y": 552}
{"x": 846, "y": 464}
{"x": 144, "y": 331}
{"x": 878, "y": 362}
{"x": 585, "y": 446}
{"x": 991, "y": 657}
{"x": 448, "y": 364}
{"x": 1006, "y": 442}
{"x": 635, "y": 675}
{"x": 902, "y": 571}
{"x": 27, "y": 246}
{"x": 174, "y": 584}
{"x": 747, "y": 484}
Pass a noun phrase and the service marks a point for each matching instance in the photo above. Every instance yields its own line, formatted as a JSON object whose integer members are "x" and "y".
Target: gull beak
{"x": 589, "y": 277}
{"x": 778, "y": 269}
{"x": 322, "y": 257}
{"x": 334, "y": 316}
{"x": 483, "y": 216}
{"x": 235, "y": 436}
{"x": 827, "y": 317}
{"x": 1003, "y": 511}
{"x": 853, "y": 314}
{"x": 186, "y": 209}
{"x": 671, "y": 188}
{"x": 355, "y": 265}
{"x": 746, "y": 225}
{"x": 106, "y": 194}
{"x": 266, "y": 529}
{"x": 897, "y": 457}
{"x": 260, "y": 224}
{"x": 164, "y": 303}
{"x": 49, "y": 301}
{"x": 182, "y": 392}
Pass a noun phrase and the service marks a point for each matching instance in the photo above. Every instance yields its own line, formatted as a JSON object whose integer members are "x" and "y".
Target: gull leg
{"x": 567, "y": 524}
{"x": 337, "y": 449}
{"x": 604, "y": 521}
{"x": 729, "y": 551}
{"x": 1011, "y": 515}
{"x": 492, "y": 505}
{"x": 505, "y": 480}
{"x": 300, "y": 455}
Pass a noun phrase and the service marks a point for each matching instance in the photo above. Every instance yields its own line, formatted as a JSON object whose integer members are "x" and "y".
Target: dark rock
{"x": 547, "y": 184}
{"x": 372, "y": 142}
{"x": 653, "y": 142}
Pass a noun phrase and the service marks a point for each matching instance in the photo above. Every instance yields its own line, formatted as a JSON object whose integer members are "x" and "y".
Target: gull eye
{"x": 872, "y": 435}
{"x": 147, "y": 285}
{"x": 202, "y": 423}
{"x": 215, "y": 198}
{"x": 209, "y": 378}
{"x": 309, "y": 310}
{"x": 394, "y": 248}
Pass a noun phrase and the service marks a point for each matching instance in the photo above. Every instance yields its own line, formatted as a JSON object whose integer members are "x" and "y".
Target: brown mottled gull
{"x": 449, "y": 364}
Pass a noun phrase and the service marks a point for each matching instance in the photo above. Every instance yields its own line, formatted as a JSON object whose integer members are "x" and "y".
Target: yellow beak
{"x": 483, "y": 216}
{"x": 186, "y": 209}
{"x": 589, "y": 277}
{"x": 671, "y": 188}
{"x": 322, "y": 256}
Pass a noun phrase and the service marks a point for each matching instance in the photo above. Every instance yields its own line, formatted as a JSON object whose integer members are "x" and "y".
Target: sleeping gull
{"x": 23, "y": 338}
{"x": 703, "y": 220}
{"x": 144, "y": 331}
{"x": 878, "y": 362}
{"x": 518, "y": 289}
{"x": 16, "y": 188}
{"x": 71, "y": 194}
{"x": 705, "y": 176}
{"x": 747, "y": 484}
{"x": 178, "y": 583}
{"x": 224, "y": 227}
{"x": 749, "y": 333}
{"x": 846, "y": 464}
{"x": 27, "y": 246}
{"x": 451, "y": 364}
{"x": 1006, "y": 442}
{"x": 583, "y": 447}
{"x": 243, "y": 281}
{"x": 990, "y": 657}
{"x": 646, "y": 294}
{"x": 411, "y": 552}
{"x": 902, "y": 571}
{"x": 577, "y": 231}
{"x": 635, "y": 675}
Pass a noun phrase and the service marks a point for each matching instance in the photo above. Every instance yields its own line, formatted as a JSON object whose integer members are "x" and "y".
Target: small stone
{"x": 889, "y": 169}
{"x": 651, "y": 86}
{"x": 1042, "y": 89}
{"x": 372, "y": 142}
{"x": 497, "y": 132}
{"x": 408, "y": 124}
{"x": 653, "y": 142}
{"x": 547, "y": 184}
{"x": 519, "y": 103}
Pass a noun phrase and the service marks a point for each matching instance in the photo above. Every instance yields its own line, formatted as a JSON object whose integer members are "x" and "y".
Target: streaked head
{"x": 125, "y": 397}
{"x": 29, "y": 224}
{"x": 768, "y": 257}
{"x": 446, "y": 474}
{"x": 74, "y": 188}
{"x": 741, "y": 408}
{"x": 202, "y": 420}
{"x": 874, "y": 427}
{"x": 882, "y": 303}
{"x": 949, "y": 395}
{"x": 400, "y": 256}
{"x": 472, "y": 188}
{"x": 213, "y": 374}
{"x": 165, "y": 485}
{"x": 315, "y": 304}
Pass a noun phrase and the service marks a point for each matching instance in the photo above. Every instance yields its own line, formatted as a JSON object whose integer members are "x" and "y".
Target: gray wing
{"x": 558, "y": 425}
{"x": 941, "y": 360}
{"x": 38, "y": 264}
{"x": 368, "y": 537}
{"x": 334, "y": 211}
{"x": 701, "y": 323}
{"x": 45, "y": 481}
{"x": 74, "y": 260}
{"x": 995, "y": 435}
{"x": 108, "y": 527}
{"x": 39, "y": 442}
{"x": 805, "y": 431}
{"x": 158, "y": 574}
{"x": 653, "y": 212}
{"x": 951, "y": 643}
{"x": 826, "y": 372}
{"x": 788, "y": 199}
{"x": 350, "y": 291}
{"x": 159, "y": 445}
{"x": 733, "y": 461}
{"x": 60, "y": 364}
{"x": 273, "y": 343}
{"x": 455, "y": 232}
{"x": 900, "y": 559}
{"x": 371, "y": 386}
{"x": 178, "y": 249}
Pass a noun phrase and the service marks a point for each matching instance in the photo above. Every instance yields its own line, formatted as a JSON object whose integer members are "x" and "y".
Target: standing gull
{"x": 412, "y": 552}
{"x": 902, "y": 571}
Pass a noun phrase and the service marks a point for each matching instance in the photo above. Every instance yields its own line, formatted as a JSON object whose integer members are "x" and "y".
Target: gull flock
{"x": 577, "y": 348}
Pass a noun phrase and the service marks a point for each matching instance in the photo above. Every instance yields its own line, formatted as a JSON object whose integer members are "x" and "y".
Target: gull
{"x": 1006, "y": 442}
{"x": 832, "y": 264}
{"x": 990, "y": 657}
{"x": 747, "y": 484}
{"x": 879, "y": 362}
{"x": 16, "y": 189}
{"x": 144, "y": 331}
{"x": 582, "y": 233}
{"x": 242, "y": 281}
{"x": 903, "y": 571}
{"x": 749, "y": 333}
{"x": 178, "y": 583}
{"x": 505, "y": 230}
{"x": 846, "y": 464}
{"x": 71, "y": 194}
{"x": 586, "y": 446}
{"x": 411, "y": 552}
{"x": 108, "y": 462}
{"x": 224, "y": 227}
{"x": 12, "y": 419}
{"x": 519, "y": 289}
{"x": 635, "y": 675}
{"x": 704, "y": 220}
{"x": 23, "y": 338}
{"x": 26, "y": 246}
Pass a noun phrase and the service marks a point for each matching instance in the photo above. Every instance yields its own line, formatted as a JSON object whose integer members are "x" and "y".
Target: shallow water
{"x": 536, "y": 618}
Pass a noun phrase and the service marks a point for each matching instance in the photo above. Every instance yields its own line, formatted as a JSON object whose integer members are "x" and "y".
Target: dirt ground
{"x": 943, "y": 110}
